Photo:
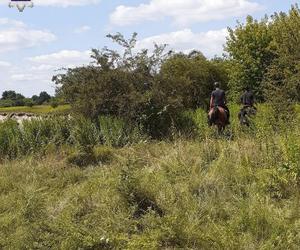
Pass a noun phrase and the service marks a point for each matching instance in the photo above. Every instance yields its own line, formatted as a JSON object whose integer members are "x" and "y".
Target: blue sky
{"x": 58, "y": 33}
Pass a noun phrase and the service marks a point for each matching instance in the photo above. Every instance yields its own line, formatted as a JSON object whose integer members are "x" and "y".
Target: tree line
{"x": 11, "y": 98}
{"x": 153, "y": 87}
{"x": 146, "y": 88}
{"x": 264, "y": 55}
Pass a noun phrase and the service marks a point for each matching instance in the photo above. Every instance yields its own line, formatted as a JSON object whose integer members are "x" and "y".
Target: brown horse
{"x": 218, "y": 116}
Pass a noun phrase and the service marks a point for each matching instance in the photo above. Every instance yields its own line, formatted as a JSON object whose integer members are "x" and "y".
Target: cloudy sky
{"x": 60, "y": 33}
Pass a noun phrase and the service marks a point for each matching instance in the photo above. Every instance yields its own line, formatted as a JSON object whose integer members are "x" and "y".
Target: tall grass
{"x": 32, "y": 136}
{"x": 36, "y": 135}
{"x": 117, "y": 133}
{"x": 212, "y": 192}
{"x": 208, "y": 194}
{"x": 9, "y": 139}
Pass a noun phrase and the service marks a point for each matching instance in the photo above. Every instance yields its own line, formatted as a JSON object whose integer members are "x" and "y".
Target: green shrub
{"x": 10, "y": 139}
{"x": 200, "y": 120}
{"x": 37, "y": 134}
{"x": 28, "y": 102}
{"x": 85, "y": 134}
{"x": 32, "y": 136}
{"x": 113, "y": 131}
{"x": 54, "y": 104}
{"x": 62, "y": 127}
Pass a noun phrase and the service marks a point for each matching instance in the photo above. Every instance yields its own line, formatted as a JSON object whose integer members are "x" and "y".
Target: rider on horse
{"x": 247, "y": 100}
{"x": 218, "y": 99}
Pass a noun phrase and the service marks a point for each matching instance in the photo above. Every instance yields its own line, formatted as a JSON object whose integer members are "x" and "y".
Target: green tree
{"x": 28, "y": 102}
{"x": 145, "y": 88}
{"x": 6, "y": 103}
{"x": 250, "y": 50}
{"x": 115, "y": 84}
{"x": 43, "y": 98}
{"x": 35, "y": 99}
{"x": 9, "y": 95}
{"x": 189, "y": 79}
{"x": 282, "y": 80}
{"x": 12, "y": 98}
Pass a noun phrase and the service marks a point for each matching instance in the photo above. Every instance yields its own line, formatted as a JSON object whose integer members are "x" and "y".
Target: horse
{"x": 218, "y": 116}
{"x": 244, "y": 115}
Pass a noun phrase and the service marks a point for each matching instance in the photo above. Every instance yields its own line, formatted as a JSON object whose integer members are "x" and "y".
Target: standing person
{"x": 218, "y": 98}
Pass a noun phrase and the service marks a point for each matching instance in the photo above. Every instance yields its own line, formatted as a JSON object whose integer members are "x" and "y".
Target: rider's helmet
{"x": 216, "y": 84}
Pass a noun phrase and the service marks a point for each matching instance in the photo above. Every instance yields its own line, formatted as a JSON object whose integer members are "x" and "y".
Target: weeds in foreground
{"x": 207, "y": 193}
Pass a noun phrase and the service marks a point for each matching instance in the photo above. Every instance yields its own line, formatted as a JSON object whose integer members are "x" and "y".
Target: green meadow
{"x": 69, "y": 184}
{"x": 38, "y": 109}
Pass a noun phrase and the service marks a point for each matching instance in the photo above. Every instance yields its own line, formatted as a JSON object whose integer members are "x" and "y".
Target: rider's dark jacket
{"x": 218, "y": 96}
{"x": 247, "y": 99}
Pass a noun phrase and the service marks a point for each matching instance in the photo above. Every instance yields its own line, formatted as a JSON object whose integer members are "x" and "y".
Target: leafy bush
{"x": 54, "y": 104}
{"x": 28, "y": 102}
{"x": 151, "y": 90}
{"x": 6, "y": 103}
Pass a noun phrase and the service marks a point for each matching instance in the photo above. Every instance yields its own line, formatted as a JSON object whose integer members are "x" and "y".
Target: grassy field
{"x": 38, "y": 109}
{"x": 235, "y": 191}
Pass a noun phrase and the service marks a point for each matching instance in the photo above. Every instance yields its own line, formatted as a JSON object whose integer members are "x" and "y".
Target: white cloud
{"x": 4, "y": 64}
{"x": 82, "y": 29}
{"x": 209, "y": 43}
{"x": 182, "y": 12}
{"x": 33, "y": 75}
{"x": 42, "y": 68}
{"x": 10, "y": 22}
{"x": 15, "y": 35}
{"x": 25, "y": 77}
{"x": 64, "y": 58}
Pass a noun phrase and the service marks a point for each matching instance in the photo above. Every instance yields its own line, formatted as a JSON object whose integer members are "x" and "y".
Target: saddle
{"x": 212, "y": 110}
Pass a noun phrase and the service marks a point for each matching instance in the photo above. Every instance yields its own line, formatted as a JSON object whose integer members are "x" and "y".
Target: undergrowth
{"x": 210, "y": 192}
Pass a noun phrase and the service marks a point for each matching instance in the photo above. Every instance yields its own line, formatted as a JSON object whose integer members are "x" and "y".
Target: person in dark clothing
{"x": 247, "y": 99}
{"x": 218, "y": 98}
